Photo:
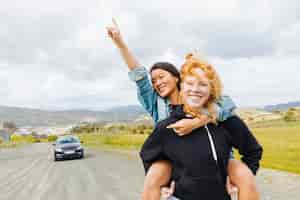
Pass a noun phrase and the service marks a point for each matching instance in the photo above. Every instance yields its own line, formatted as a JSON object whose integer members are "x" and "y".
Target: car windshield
{"x": 68, "y": 140}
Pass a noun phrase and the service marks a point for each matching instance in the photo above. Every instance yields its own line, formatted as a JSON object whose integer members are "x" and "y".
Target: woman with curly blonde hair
{"x": 191, "y": 68}
{"x": 200, "y": 159}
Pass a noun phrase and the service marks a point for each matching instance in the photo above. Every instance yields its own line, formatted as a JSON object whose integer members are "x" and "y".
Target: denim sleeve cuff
{"x": 137, "y": 73}
{"x": 225, "y": 108}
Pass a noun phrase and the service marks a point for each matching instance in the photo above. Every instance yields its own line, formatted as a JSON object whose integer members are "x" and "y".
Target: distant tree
{"x": 250, "y": 118}
{"x": 277, "y": 112}
{"x": 52, "y": 138}
{"x": 34, "y": 134}
{"x": 122, "y": 127}
{"x": 16, "y": 138}
{"x": 9, "y": 125}
{"x": 290, "y": 115}
{"x": 134, "y": 131}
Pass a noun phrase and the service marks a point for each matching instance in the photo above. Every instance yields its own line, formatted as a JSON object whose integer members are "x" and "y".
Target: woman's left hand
{"x": 183, "y": 126}
{"x": 186, "y": 126}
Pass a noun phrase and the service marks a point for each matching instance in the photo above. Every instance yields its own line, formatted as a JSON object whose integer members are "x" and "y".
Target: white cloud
{"x": 55, "y": 54}
{"x": 261, "y": 80}
{"x": 288, "y": 42}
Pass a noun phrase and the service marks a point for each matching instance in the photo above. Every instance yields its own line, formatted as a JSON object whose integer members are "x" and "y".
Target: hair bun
{"x": 189, "y": 56}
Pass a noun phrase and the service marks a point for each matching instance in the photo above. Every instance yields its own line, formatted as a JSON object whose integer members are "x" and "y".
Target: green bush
{"x": 29, "y": 138}
{"x": 52, "y": 138}
{"x": 32, "y": 139}
{"x": 23, "y": 139}
{"x": 17, "y": 138}
{"x": 290, "y": 115}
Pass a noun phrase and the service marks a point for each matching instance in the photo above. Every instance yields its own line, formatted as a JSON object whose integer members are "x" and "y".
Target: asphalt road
{"x": 30, "y": 173}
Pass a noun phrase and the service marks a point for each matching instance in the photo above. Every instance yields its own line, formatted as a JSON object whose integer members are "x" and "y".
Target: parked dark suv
{"x": 68, "y": 147}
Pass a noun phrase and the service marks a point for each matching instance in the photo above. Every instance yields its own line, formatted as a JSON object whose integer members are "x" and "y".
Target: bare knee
{"x": 241, "y": 175}
{"x": 158, "y": 175}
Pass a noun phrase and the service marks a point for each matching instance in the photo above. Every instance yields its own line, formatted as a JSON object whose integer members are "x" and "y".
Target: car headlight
{"x": 59, "y": 150}
{"x": 79, "y": 148}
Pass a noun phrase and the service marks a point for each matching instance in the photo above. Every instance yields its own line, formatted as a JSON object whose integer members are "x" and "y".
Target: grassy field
{"x": 122, "y": 141}
{"x": 280, "y": 140}
{"x": 20, "y": 141}
{"x": 281, "y": 146}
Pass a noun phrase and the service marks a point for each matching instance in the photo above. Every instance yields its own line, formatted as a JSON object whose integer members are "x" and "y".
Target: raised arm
{"x": 115, "y": 34}
{"x": 139, "y": 74}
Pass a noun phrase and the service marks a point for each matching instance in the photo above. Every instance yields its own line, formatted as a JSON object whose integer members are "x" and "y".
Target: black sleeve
{"x": 244, "y": 141}
{"x": 152, "y": 149}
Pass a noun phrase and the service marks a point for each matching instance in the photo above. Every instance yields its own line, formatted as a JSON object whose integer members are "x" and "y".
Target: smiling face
{"x": 195, "y": 89}
{"x": 200, "y": 87}
{"x": 163, "y": 82}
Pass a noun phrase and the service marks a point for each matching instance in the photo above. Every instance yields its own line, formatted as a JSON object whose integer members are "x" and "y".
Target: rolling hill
{"x": 37, "y": 117}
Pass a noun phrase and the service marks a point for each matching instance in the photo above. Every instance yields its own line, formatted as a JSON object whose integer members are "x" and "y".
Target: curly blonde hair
{"x": 191, "y": 63}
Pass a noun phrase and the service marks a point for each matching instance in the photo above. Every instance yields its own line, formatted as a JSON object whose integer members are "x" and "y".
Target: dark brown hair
{"x": 169, "y": 68}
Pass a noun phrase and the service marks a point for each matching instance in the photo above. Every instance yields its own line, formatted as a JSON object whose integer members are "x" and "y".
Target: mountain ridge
{"x": 41, "y": 117}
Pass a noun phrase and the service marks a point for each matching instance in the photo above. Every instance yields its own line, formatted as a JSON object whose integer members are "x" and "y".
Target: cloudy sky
{"x": 56, "y": 55}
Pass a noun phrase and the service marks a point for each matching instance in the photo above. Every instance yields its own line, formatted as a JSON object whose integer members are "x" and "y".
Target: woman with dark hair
{"x": 157, "y": 99}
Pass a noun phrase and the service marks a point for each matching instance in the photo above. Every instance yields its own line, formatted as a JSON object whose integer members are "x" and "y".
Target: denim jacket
{"x": 158, "y": 107}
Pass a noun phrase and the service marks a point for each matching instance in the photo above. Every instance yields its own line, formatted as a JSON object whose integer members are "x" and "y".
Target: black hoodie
{"x": 196, "y": 173}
